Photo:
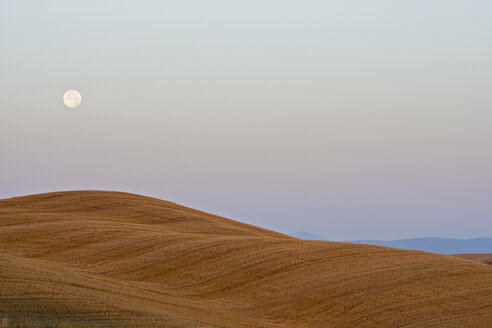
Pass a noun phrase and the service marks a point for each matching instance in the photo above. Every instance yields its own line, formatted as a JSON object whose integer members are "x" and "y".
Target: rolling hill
{"x": 111, "y": 259}
{"x": 482, "y": 258}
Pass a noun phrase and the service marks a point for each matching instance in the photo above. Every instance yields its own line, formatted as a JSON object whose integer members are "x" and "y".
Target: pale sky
{"x": 347, "y": 119}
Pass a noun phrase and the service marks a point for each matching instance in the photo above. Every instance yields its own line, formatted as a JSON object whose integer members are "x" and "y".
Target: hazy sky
{"x": 348, "y": 119}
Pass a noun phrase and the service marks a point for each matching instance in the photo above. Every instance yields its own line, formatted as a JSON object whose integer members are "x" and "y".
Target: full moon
{"x": 72, "y": 98}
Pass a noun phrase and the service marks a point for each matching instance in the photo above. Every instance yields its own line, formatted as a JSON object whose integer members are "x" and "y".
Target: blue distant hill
{"x": 433, "y": 245}
{"x": 306, "y": 236}
{"x": 437, "y": 245}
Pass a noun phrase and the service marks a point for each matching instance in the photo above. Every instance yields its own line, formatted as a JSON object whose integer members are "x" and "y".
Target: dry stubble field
{"x": 110, "y": 259}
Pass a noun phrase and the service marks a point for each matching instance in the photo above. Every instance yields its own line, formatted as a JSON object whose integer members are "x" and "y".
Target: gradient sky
{"x": 348, "y": 119}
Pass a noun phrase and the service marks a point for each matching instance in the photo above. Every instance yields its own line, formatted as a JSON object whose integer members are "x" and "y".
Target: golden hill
{"x": 110, "y": 259}
{"x": 482, "y": 258}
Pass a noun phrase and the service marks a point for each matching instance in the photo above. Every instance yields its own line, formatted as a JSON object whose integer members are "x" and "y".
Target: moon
{"x": 72, "y": 98}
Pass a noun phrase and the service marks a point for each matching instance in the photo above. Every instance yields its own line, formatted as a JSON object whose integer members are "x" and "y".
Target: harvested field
{"x": 482, "y": 258}
{"x": 111, "y": 259}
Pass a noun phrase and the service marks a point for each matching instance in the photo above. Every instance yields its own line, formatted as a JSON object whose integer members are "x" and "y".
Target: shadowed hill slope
{"x": 482, "y": 258}
{"x": 93, "y": 258}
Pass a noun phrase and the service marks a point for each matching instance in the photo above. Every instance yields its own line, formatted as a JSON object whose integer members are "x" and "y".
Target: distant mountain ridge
{"x": 437, "y": 245}
{"x": 427, "y": 244}
{"x": 306, "y": 236}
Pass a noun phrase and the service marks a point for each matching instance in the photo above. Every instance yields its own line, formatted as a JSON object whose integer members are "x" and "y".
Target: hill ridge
{"x": 109, "y": 259}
